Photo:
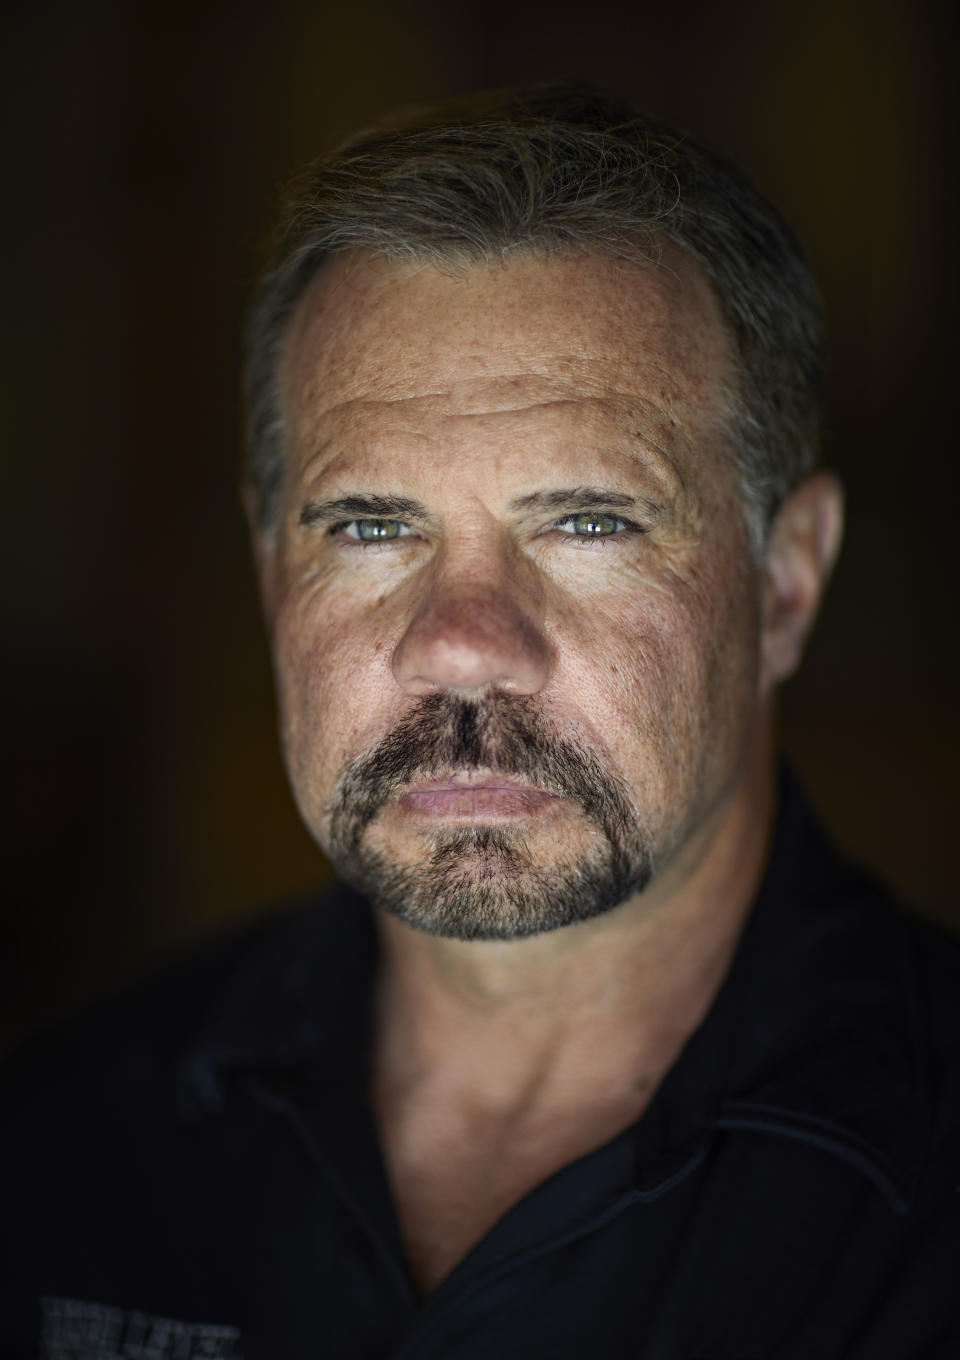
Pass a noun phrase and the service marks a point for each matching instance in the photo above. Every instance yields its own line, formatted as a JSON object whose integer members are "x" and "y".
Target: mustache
{"x": 501, "y": 732}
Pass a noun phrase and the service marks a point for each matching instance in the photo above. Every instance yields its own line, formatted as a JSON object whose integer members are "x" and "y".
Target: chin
{"x": 482, "y": 883}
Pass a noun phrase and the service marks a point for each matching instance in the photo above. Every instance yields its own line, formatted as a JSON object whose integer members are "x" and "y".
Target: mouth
{"x": 470, "y": 795}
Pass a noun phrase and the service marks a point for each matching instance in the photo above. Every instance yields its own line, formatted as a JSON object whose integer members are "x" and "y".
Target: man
{"x": 605, "y": 1053}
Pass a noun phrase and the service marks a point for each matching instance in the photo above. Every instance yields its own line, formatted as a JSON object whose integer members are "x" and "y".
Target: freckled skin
{"x": 464, "y": 391}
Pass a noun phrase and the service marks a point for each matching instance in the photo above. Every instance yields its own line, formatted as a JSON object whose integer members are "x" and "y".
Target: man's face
{"x": 515, "y": 618}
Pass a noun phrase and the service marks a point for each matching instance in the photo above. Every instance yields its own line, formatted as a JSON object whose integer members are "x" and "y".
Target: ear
{"x": 264, "y": 552}
{"x": 804, "y": 543}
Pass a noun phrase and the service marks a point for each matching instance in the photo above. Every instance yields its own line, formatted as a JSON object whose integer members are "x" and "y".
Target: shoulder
{"x": 923, "y": 956}
{"x": 829, "y": 917}
{"x": 131, "y": 1041}
{"x": 850, "y": 1018}
{"x": 936, "y": 953}
{"x": 933, "y": 955}
{"x": 902, "y": 978}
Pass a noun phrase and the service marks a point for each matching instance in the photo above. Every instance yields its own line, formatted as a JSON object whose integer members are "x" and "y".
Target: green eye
{"x": 375, "y": 530}
{"x": 593, "y": 525}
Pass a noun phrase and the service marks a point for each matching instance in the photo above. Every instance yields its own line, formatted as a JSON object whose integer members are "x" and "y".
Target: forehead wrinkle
{"x": 577, "y": 376}
{"x": 347, "y": 323}
{"x": 616, "y": 409}
{"x": 338, "y": 453}
{"x": 657, "y": 400}
{"x": 598, "y": 429}
{"x": 552, "y": 379}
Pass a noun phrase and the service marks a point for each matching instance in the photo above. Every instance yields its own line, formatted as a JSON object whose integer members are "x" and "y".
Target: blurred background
{"x": 146, "y": 146}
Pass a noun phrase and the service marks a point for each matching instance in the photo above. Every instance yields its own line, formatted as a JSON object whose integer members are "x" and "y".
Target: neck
{"x": 597, "y": 1009}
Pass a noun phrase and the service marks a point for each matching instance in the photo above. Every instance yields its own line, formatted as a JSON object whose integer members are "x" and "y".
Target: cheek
{"x": 668, "y": 676}
{"x": 333, "y": 674}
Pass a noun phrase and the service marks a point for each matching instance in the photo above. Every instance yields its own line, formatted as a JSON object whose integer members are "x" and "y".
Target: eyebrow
{"x": 363, "y": 507}
{"x": 574, "y": 500}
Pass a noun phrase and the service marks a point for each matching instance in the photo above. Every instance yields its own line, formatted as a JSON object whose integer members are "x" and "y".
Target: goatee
{"x": 483, "y": 882}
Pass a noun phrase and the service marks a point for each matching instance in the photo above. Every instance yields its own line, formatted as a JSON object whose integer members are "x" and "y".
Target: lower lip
{"x": 474, "y": 804}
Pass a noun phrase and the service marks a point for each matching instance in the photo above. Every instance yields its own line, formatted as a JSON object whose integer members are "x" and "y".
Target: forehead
{"x": 573, "y": 341}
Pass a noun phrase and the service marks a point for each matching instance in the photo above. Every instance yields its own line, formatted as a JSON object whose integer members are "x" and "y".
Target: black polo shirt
{"x": 195, "y": 1171}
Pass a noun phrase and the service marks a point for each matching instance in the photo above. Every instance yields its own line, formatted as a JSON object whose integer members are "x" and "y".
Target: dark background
{"x": 147, "y": 143}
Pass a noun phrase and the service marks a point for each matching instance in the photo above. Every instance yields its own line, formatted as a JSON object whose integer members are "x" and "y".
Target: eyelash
{"x": 577, "y": 540}
{"x": 365, "y": 545}
{"x": 598, "y": 540}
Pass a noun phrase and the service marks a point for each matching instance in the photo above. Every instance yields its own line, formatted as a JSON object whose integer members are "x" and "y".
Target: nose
{"x": 465, "y": 637}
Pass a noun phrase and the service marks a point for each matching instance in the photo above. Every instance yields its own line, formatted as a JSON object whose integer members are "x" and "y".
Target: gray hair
{"x": 546, "y": 171}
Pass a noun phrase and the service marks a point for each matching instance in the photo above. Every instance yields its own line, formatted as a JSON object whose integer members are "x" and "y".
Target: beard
{"x": 484, "y": 882}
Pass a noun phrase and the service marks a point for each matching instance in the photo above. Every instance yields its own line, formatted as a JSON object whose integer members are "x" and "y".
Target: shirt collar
{"x": 814, "y": 1034}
